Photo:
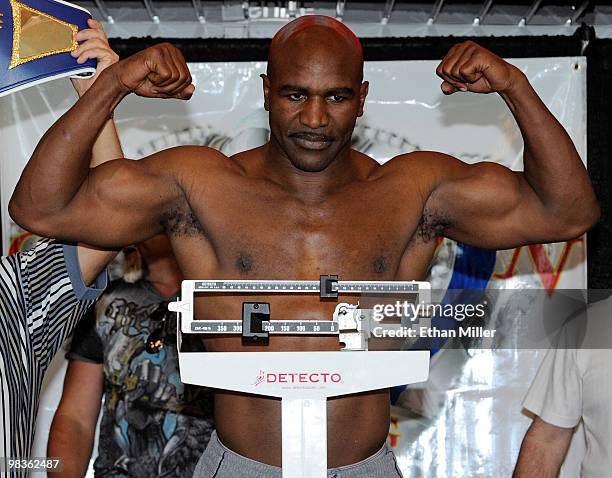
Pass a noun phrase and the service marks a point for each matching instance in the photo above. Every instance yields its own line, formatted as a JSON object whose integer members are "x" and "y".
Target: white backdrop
{"x": 466, "y": 421}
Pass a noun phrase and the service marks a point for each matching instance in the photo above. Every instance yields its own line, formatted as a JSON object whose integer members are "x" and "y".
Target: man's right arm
{"x": 71, "y": 437}
{"x": 543, "y": 450}
{"x": 116, "y": 203}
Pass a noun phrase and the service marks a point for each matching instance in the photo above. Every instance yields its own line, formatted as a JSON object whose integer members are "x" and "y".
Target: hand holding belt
{"x": 36, "y": 38}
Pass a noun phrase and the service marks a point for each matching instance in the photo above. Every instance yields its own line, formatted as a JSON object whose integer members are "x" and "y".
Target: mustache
{"x": 310, "y": 136}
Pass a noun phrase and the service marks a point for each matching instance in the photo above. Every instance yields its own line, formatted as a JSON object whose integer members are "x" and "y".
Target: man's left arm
{"x": 488, "y": 205}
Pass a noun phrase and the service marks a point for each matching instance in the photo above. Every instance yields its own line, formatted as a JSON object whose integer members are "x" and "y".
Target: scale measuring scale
{"x": 302, "y": 380}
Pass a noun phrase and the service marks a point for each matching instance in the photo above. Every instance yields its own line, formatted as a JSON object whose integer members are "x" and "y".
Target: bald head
{"x": 314, "y": 91}
{"x": 314, "y": 36}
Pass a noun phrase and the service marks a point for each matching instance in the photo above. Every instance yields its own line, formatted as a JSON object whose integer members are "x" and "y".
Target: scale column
{"x": 304, "y": 422}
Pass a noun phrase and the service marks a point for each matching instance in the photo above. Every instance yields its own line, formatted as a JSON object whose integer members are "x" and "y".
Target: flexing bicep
{"x": 488, "y": 205}
{"x": 122, "y": 202}
{"x": 119, "y": 202}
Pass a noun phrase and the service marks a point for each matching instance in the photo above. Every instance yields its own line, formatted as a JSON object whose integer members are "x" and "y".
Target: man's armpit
{"x": 181, "y": 222}
{"x": 432, "y": 225}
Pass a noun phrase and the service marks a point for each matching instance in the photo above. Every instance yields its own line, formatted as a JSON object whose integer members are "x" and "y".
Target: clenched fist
{"x": 157, "y": 72}
{"x": 470, "y": 67}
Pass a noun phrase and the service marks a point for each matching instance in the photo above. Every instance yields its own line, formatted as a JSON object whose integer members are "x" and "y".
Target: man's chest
{"x": 256, "y": 233}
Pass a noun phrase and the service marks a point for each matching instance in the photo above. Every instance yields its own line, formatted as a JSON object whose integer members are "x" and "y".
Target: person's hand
{"x": 157, "y": 72}
{"x": 95, "y": 45}
{"x": 470, "y": 67}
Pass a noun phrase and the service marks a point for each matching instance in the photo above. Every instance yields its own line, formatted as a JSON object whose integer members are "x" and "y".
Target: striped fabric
{"x": 38, "y": 310}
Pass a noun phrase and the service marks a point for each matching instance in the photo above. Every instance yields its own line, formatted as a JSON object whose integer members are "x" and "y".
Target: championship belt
{"x": 36, "y": 38}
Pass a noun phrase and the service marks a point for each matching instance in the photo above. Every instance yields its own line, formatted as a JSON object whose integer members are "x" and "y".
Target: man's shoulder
{"x": 195, "y": 160}
{"x": 188, "y": 155}
{"x": 422, "y": 159}
{"x": 416, "y": 164}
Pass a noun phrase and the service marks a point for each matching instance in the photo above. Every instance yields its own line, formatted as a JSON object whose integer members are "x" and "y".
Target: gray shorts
{"x": 218, "y": 461}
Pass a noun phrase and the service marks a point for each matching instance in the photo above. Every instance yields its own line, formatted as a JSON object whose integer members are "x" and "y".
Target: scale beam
{"x": 257, "y": 326}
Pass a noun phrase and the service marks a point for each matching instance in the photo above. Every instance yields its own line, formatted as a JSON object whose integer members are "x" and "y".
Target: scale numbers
{"x": 273, "y": 327}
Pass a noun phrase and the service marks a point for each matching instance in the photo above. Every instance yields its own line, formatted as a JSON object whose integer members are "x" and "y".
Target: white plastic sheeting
{"x": 466, "y": 420}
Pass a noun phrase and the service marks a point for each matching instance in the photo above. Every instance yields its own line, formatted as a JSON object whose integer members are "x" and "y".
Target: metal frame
{"x": 198, "y": 10}
{"x": 486, "y": 6}
{"x": 535, "y": 6}
{"x": 289, "y": 9}
{"x": 151, "y": 11}
{"x": 437, "y": 8}
{"x": 340, "y": 6}
{"x": 101, "y": 6}
{"x": 580, "y": 11}
{"x": 388, "y": 11}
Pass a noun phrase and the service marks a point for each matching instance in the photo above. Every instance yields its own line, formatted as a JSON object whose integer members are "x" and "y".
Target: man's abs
{"x": 357, "y": 426}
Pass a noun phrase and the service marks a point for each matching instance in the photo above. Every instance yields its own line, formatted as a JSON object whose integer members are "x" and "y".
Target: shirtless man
{"x": 304, "y": 204}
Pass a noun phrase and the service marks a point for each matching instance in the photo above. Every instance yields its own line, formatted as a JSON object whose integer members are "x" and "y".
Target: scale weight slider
{"x": 254, "y": 314}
